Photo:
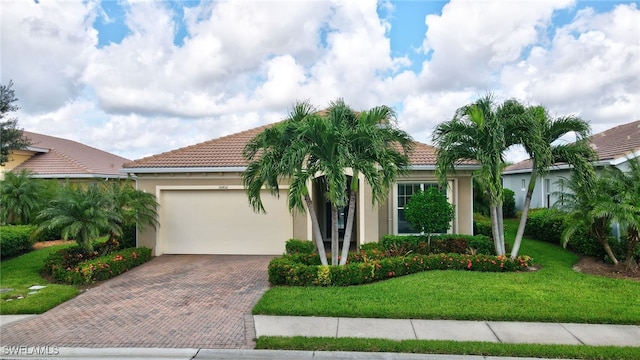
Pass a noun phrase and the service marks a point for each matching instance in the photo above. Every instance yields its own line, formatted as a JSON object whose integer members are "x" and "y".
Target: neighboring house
{"x": 613, "y": 147}
{"x": 204, "y": 207}
{"x": 50, "y": 157}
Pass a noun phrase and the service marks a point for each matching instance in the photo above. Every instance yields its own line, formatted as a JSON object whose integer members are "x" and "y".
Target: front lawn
{"x": 22, "y": 272}
{"x": 554, "y": 293}
{"x": 451, "y": 347}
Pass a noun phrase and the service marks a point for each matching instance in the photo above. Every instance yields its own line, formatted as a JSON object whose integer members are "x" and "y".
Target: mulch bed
{"x": 44, "y": 244}
{"x": 590, "y": 265}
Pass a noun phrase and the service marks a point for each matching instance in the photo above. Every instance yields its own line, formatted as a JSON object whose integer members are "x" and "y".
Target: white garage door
{"x": 222, "y": 222}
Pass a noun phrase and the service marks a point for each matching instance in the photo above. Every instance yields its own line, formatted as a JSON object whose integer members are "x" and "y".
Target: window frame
{"x": 395, "y": 207}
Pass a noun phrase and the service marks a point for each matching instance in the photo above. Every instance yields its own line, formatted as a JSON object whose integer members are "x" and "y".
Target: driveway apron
{"x": 177, "y": 301}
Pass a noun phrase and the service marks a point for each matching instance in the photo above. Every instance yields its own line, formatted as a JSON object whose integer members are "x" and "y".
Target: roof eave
{"x": 433, "y": 167}
{"x": 163, "y": 170}
{"x": 79, "y": 176}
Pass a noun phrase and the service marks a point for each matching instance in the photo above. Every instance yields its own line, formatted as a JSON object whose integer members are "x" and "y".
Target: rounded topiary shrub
{"x": 429, "y": 211}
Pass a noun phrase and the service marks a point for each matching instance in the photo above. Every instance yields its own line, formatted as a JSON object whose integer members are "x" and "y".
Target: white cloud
{"x": 45, "y": 48}
{"x": 244, "y": 63}
{"x": 591, "y": 68}
{"x": 472, "y": 40}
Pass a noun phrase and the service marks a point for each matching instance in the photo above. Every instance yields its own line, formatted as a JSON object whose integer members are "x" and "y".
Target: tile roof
{"x": 227, "y": 152}
{"x": 69, "y": 158}
{"x": 611, "y": 144}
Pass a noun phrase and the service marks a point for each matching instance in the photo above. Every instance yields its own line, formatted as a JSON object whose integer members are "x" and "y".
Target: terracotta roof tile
{"x": 610, "y": 144}
{"x": 69, "y": 158}
{"x": 227, "y": 152}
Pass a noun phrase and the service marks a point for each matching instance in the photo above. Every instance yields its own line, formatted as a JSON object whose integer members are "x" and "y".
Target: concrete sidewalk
{"x": 394, "y": 329}
{"x": 486, "y": 331}
{"x": 53, "y": 353}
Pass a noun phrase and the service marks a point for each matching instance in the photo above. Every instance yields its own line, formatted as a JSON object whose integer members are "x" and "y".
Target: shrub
{"x": 482, "y": 225}
{"x": 286, "y": 271}
{"x": 295, "y": 246}
{"x": 508, "y": 203}
{"x": 15, "y": 240}
{"x": 546, "y": 225}
{"x": 100, "y": 268}
{"x": 128, "y": 237}
{"x": 429, "y": 211}
{"x": 400, "y": 245}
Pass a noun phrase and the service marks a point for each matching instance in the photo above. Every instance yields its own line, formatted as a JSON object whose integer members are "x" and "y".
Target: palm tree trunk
{"x": 633, "y": 237}
{"x": 500, "y": 219}
{"x": 525, "y": 213}
{"x": 602, "y": 238}
{"x": 316, "y": 230}
{"x": 347, "y": 233}
{"x": 494, "y": 229}
{"x": 334, "y": 235}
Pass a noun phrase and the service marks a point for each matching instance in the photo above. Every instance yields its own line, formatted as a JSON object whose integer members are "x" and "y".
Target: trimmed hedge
{"x": 393, "y": 256}
{"x": 15, "y": 240}
{"x": 96, "y": 269}
{"x": 287, "y": 271}
{"x": 549, "y": 224}
{"x": 295, "y": 246}
{"x": 546, "y": 225}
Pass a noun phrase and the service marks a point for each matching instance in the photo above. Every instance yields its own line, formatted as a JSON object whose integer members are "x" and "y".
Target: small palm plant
{"x": 81, "y": 213}
{"x": 19, "y": 197}
{"x": 131, "y": 206}
{"x": 581, "y": 198}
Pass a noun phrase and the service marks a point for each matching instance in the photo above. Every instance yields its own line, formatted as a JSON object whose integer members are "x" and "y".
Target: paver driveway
{"x": 178, "y": 301}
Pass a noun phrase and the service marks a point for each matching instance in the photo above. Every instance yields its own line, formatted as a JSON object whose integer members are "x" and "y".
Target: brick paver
{"x": 177, "y": 301}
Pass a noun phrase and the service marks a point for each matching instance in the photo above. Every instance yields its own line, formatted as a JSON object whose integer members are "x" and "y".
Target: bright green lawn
{"x": 451, "y": 347}
{"x": 555, "y": 293}
{"x": 22, "y": 272}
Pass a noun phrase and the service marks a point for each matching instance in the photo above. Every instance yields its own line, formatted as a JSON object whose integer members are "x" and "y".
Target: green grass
{"x": 555, "y": 293}
{"x": 22, "y": 272}
{"x": 450, "y": 347}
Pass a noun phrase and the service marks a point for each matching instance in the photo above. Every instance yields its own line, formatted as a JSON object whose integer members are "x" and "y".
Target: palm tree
{"x": 378, "y": 151}
{"x": 544, "y": 152}
{"x": 482, "y": 132}
{"x": 133, "y": 208}
{"x": 82, "y": 213}
{"x": 19, "y": 197}
{"x": 583, "y": 193}
{"x": 309, "y": 143}
{"x": 623, "y": 205}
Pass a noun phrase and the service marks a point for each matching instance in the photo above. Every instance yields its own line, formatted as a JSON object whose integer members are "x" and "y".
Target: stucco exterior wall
{"x": 16, "y": 158}
{"x": 545, "y": 193}
{"x": 372, "y": 221}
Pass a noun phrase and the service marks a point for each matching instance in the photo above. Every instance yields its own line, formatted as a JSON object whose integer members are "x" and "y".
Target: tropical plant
{"x": 82, "y": 213}
{"x": 481, "y": 132}
{"x": 20, "y": 197}
{"x": 623, "y": 205}
{"x": 544, "y": 152}
{"x": 133, "y": 207}
{"x": 429, "y": 211}
{"x": 327, "y": 143}
{"x": 582, "y": 194}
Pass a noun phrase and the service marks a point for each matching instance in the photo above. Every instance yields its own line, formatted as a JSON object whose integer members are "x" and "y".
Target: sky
{"x": 137, "y": 78}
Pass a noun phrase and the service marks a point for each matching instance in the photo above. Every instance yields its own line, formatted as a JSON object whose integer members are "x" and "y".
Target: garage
{"x": 220, "y": 221}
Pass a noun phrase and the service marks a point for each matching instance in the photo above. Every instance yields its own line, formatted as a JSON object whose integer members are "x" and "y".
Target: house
{"x": 204, "y": 207}
{"x": 50, "y": 157}
{"x": 613, "y": 147}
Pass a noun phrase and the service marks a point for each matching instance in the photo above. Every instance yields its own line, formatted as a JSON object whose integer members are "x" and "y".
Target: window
{"x": 524, "y": 185}
{"x": 405, "y": 191}
{"x": 547, "y": 188}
